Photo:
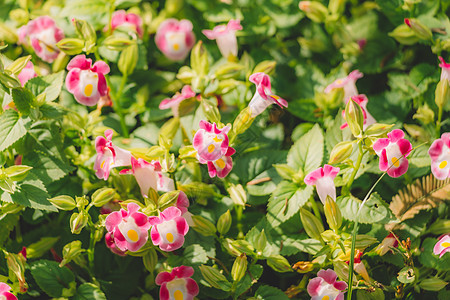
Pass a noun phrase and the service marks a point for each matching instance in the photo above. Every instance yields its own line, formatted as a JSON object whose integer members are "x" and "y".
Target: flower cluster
{"x": 177, "y": 284}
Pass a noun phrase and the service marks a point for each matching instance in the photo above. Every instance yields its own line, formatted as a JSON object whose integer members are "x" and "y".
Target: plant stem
{"x": 346, "y": 189}
{"x": 315, "y": 208}
{"x": 438, "y": 123}
{"x": 91, "y": 249}
{"x": 119, "y": 110}
{"x": 239, "y": 210}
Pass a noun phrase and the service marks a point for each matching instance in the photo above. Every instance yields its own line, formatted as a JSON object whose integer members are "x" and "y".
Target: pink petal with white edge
{"x": 4, "y": 287}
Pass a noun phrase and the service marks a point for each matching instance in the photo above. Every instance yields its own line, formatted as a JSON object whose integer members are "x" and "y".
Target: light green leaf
{"x": 375, "y": 210}
{"x": 50, "y": 85}
{"x": 266, "y": 292}
{"x": 11, "y": 128}
{"x": 195, "y": 254}
{"x": 89, "y": 291}
{"x": 248, "y": 280}
{"x": 52, "y": 279}
{"x": 295, "y": 244}
{"x": 23, "y": 99}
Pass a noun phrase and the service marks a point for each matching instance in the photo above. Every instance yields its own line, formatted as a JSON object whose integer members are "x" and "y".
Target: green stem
{"x": 119, "y": 109}
{"x": 346, "y": 189}
{"x": 315, "y": 208}
{"x": 438, "y": 123}
{"x": 240, "y": 227}
{"x": 91, "y": 249}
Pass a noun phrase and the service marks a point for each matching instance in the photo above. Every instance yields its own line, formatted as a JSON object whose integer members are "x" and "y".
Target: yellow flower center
{"x": 102, "y": 164}
{"x": 178, "y": 295}
{"x": 443, "y": 164}
{"x": 445, "y": 244}
{"x": 176, "y": 47}
{"x": 49, "y": 49}
{"x": 275, "y": 97}
{"x": 326, "y": 297}
{"x": 220, "y": 163}
{"x": 169, "y": 237}
{"x": 211, "y": 148}
{"x": 88, "y": 89}
{"x": 133, "y": 235}
{"x": 395, "y": 161}
{"x": 216, "y": 139}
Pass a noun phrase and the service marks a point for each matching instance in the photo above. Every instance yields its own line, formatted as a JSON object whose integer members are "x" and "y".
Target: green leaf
{"x": 7, "y": 224}
{"x": 195, "y": 254}
{"x": 306, "y": 154}
{"x": 23, "y": 99}
{"x": 429, "y": 259}
{"x": 11, "y": 128}
{"x": 286, "y": 201}
{"x": 266, "y": 292}
{"x": 375, "y": 210}
{"x": 39, "y": 248}
{"x": 89, "y": 291}
{"x": 50, "y": 85}
{"x": 52, "y": 279}
{"x": 294, "y": 244}
{"x": 248, "y": 280}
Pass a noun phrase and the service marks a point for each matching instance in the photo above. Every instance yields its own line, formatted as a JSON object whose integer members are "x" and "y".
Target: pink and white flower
{"x": 445, "y": 74}
{"x": 175, "y": 38}
{"x": 362, "y": 101}
{"x": 323, "y": 179}
{"x": 387, "y": 244}
{"x": 210, "y": 142}
{"x": 442, "y": 246}
{"x": 175, "y": 101}
{"x": 5, "y": 292}
{"x": 129, "y": 228}
{"x": 86, "y": 81}
{"x": 359, "y": 266}
{"x": 440, "y": 157}
{"x": 393, "y": 151}
{"x": 27, "y": 73}
{"x": 347, "y": 83}
{"x": 225, "y": 36}
{"x": 168, "y": 229}
{"x": 177, "y": 284}
{"x": 109, "y": 156}
{"x": 325, "y": 286}
{"x": 109, "y": 241}
{"x": 263, "y": 96}
{"x": 129, "y": 22}
{"x": 42, "y": 34}
{"x": 222, "y": 166}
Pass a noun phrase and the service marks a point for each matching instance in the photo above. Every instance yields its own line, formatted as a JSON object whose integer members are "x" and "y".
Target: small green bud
{"x": 313, "y": 226}
{"x": 266, "y": 66}
{"x": 332, "y": 213}
{"x": 81, "y": 202}
{"x": 19, "y": 15}
{"x": 215, "y": 278}
{"x": 243, "y": 121}
{"x": 17, "y": 172}
{"x": 9, "y": 81}
{"x": 378, "y": 129}
{"x": 442, "y": 94}
{"x": 186, "y": 74}
{"x": 224, "y": 222}
{"x": 203, "y": 226}
{"x": 63, "y": 202}
{"x": 314, "y": 10}
{"x": 404, "y": 35}
{"x": 336, "y": 7}
{"x": 16, "y": 265}
{"x": 103, "y": 196}
{"x": 433, "y": 284}
{"x": 70, "y": 252}
{"x": 16, "y": 66}
{"x": 78, "y": 221}
{"x": 419, "y": 29}
{"x": 116, "y": 43}
{"x": 229, "y": 246}
{"x": 150, "y": 259}
{"x": 279, "y": 263}
{"x": 354, "y": 117}
{"x": 239, "y": 267}
{"x": 237, "y": 194}
{"x": 128, "y": 59}
{"x": 228, "y": 70}
{"x": 424, "y": 114}
{"x": 87, "y": 32}
{"x": 211, "y": 111}
{"x": 243, "y": 246}
{"x": 7, "y": 34}
{"x": 341, "y": 152}
{"x": 199, "y": 59}
{"x": 71, "y": 46}
{"x": 261, "y": 242}
{"x": 168, "y": 199}
{"x": 60, "y": 62}
{"x": 164, "y": 142}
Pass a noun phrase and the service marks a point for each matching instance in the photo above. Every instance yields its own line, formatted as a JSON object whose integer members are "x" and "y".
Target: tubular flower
{"x": 442, "y": 246}
{"x": 42, "y": 34}
{"x": 222, "y": 166}
{"x": 168, "y": 229}
{"x": 4, "y": 292}
{"x": 393, "y": 151}
{"x": 177, "y": 284}
{"x": 86, "y": 81}
{"x": 175, "y": 38}
{"x": 129, "y": 228}
{"x": 325, "y": 286}
{"x": 440, "y": 157}
{"x": 109, "y": 156}
{"x": 175, "y": 101}
{"x": 359, "y": 266}
{"x": 388, "y": 242}
{"x": 263, "y": 96}
{"x": 362, "y": 101}
{"x": 347, "y": 83}
{"x": 27, "y": 73}
{"x": 129, "y": 22}
{"x": 146, "y": 174}
{"x": 445, "y": 74}
{"x": 323, "y": 178}
{"x": 225, "y": 36}
{"x": 210, "y": 142}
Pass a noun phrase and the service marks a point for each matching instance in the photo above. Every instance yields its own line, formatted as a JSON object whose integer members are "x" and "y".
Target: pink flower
{"x": 263, "y": 96}
{"x": 109, "y": 156}
{"x": 27, "y": 73}
{"x": 445, "y": 74}
{"x": 222, "y": 166}
{"x": 359, "y": 266}
{"x": 440, "y": 157}
{"x": 168, "y": 229}
{"x": 174, "y": 103}
{"x": 393, "y": 151}
{"x": 362, "y": 101}
{"x": 43, "y": 35}
{"x": 325, "y": 286}
{"x": 86, "y": 82}
{"x": 109, "y": 241}
{"x": 175, "y": 38}
{"x": 129, "y": 22}
{"x": 177, "y": 284}
{"x": 6, "y": 295}
{"x": 323, "y": 179}
{"x": 387, "y": 244}
{"x": 182, "y": 204}
{"x": 225, "y": 36}
{"x": 210, "y": 142}
{"x": 442, "y": 246}
{"x": 347, "y": 83}
{"x": 129, "y": 228}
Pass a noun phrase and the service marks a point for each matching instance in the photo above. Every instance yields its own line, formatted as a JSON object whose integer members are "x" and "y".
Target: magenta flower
{"x": 225, "y": 36}
{"x": 393, "y": 151}
{"x": 263, "y": 96}
{"x": 182, "y": 204}
{"x": 109, "y": 241}
{"x": 5, "y": 294}
{"x": 347, "y": 83}
{"x": 175, "y": 38}
{"x": 440, "y": 157}
{"x": 27, "y": 73}
{"x": 109, "y": 156}
{"x": 177, "y": 284}
{"x": 175, "y": 101}
{"x": 146, "y": 174}
{"x": 168, "y": 229}
{"x": 128, "y": 22}
{"x": 362, "y": 101}
{"x": 222, "y": 166}
{"x": 129, "y": 228}
{"x": 445, "y": 74}
{"x": 323, "y": 179}
{"x": 387, "y": 244}
{"x": 42, "y": 34}
{"x": 86, "y": 81}
{"x": 210, "y": 142}
{"x": 442, "y": 246}
{"x": 325, "y": 286}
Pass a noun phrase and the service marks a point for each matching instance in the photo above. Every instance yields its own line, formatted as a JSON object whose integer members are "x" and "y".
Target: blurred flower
{"x": 393, "y": 151}
{"x": 362, "y": 101}
{"x": 323, "y": 178}
{"x": 175, "y": 101}
{"x": 177, "y": 284}
{"x": 222, "y": 166}
{"x": 129, "y": 22}
{"x": 225, "y": 36}
{"x": 445, "y": 74}
{"x": 42, "y": 34}
{"x": 210, "y": 142}
{"x": 168, "y": 229}
{"x": 175, "y": 38}
{"x": 86, "y": 81}
{"x": 388, "y": 242}
{"x": 129, "y": 228}
{"x": 27, "y": 73}
{"x": 4, "y": 292}
{"x": 325, "y": 286}
{"x": 440, "y": 157}
{"x": 347, "y": 83}
{"x": 442, "y": 246}
{"x": 109, "y": 156}
{"x": 263, "y": 96}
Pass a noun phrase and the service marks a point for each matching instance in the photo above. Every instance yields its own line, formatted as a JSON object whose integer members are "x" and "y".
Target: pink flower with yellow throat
{"x": 442, "y": 246}
{"x": 326, "y": 286}
{"x": 440, "y": 157}
{"x": 225, "y": 36}
{"x": 323, "y": 179}
{"x": 263, "y": 96}
{"x": 347, "y": 83}
{"x": 210, "y": 142}
{"x": 177, "y": 284}
{"x": 168, "y": 229}
{"x": 175, "y": 38}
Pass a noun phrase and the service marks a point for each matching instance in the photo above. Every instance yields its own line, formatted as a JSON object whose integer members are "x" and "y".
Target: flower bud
{"x": 215, "y": 278}
{"x": 243, "y": 246}
{"x": 16, "y": 265}
{"x": 150, "y": 259}
{"x": 81, "y": 202}
{"x": 424, "y": 114}
{"x": 70, "y": 252}
{"x": 332, "y": 213}
{"x": 71, "y": 46}
{"x": 60, "y": 62}
{"x": 266, "y": 66}
{"x": 86, "y": 31}
{"x": 103, "y": 196}
{"x": 378, "y": 129}
{"x": 63, "y": 202}
{"x": 313, "y": 226}
{"x": 404, "y": 35}
{"x": 9, "y": 81}
{"x": 128, "y": 59}
{"x": 433, "y": 284}
{"x": 336, "y": 7}
{"x": 303, "y": 266}
{"x": 116, "y": 43}
{"x": 238, "y": 194}
{"x": 279, "y": 263}
{"x": 242, "y": 122}
{"x": 419, "y": 29}
{"x": 261, "y": 242}
{"x": 199, "y": 59}
{"x": 17, "y": 172}
{"x": 228, "y": 244}
{"x": 341, "y": 152}
{"x": 224, "y": 222}
{"x": 442, "y": 94}
{"x": 239, "y": 267}
{"x": 7, "y": 34}
{"x": 78, "y": 221}
{"x": 228, "y": 70}
{"x": 203, "y": 226}
{"x": 314, "y": 10}
{"x": 354, "y": 117}
{"x": 211, "y": 111}
{"x": 168, "y": 199}
{"x": 16, "y": 66}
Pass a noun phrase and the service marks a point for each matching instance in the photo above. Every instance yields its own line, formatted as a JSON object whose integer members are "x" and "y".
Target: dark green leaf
{"x": 23, "y": 99}
{"x": 11, "y": 128}
{"x": 266, "y": 292}
{"x": 52, "y": 279}
{"x": 30, "y": 193}
{"x": 89, "y": 291}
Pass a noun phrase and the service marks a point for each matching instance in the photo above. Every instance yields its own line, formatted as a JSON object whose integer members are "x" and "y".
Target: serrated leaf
{"x": 11, "y": 128}
{"x": 294, "y": 244}
{"x": 89, "y": 291}
{"x": 266, "y": 292}
{"x": 50, "y": 85}
{"x": 30, "y": 193}
{"x": 249, "y": 279}
{"x": 51, "y": 278}
{"x": 23, "y": 99}
{"x": 375, "y": 210}
{"x": 195, "y": 254}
